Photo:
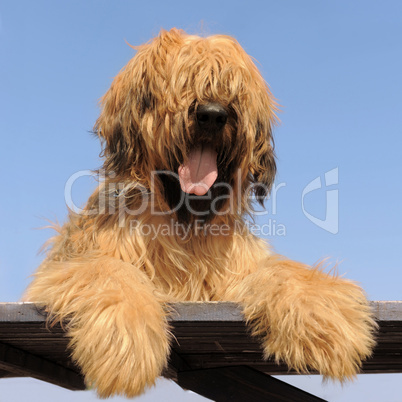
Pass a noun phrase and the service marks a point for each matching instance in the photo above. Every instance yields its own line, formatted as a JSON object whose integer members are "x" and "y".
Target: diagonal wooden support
{"x": 8, "y": 374}
{"x": 24, "y": 364}
{"x": 241, "y": 383}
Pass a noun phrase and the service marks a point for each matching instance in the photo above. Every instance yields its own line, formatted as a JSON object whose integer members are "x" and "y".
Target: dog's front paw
{"x": 312, "y": 321}
{"x": 328, "y": 338}
{"x": 121, "y": 349}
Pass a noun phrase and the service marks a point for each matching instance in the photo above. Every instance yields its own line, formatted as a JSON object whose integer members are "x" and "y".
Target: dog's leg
{"x": 307, "y": 318}
{"x": 118, "y": 329}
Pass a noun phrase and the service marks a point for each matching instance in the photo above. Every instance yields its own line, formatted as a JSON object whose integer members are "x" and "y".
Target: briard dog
{"x": 186, "y": 128}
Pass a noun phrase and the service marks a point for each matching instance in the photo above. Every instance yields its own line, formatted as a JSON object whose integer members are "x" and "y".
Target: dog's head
{"x": 190, "y": 119}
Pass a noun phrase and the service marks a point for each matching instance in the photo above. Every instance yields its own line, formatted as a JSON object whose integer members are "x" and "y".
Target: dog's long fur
{"x": 110, "y": 279}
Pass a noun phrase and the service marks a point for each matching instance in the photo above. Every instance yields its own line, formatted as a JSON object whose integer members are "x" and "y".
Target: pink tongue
{"x": 200, "y": 172}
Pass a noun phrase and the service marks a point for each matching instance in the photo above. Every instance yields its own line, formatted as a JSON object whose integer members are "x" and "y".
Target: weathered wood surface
{"x": 208, "y": 335}
{"x": 189, "y": 311}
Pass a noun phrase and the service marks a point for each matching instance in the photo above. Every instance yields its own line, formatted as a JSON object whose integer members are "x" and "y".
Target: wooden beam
{"x": 9, "y": 374}
{"x": 189, "y": 311}
{"x": 205, "y": 312}
{"x": 21, "y": 312}
{"x": 387, "y": 310}
{"x": 231, "y": 312}
{"x": 23, "y": 364}
{"x": 241, "y": 383}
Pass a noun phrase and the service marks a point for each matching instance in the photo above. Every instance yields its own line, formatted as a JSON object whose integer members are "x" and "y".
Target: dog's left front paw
{"x": 313, "y": 322}
{"x": 332, "y": 341}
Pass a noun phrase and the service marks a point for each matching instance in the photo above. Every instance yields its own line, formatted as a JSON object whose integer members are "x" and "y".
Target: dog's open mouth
{"x": 199, "y": 173}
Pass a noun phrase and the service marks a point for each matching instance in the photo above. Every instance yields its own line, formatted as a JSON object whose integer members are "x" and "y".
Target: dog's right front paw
{"x": 121, "y": 350}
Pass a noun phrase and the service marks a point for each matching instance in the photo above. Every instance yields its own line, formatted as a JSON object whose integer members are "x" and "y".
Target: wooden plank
{"x": 239, "y": 384}
{"x": 21, "y": 363}
{"x": 204, "y": 312}
{"x": 21, "y": 312}
{"x": 231, "y": 312}
{"x": 387, "y": 310}
{"x": 190, "y": 312}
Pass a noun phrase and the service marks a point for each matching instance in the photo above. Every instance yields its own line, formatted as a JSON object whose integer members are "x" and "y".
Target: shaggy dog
{"x": 187, "y": 133}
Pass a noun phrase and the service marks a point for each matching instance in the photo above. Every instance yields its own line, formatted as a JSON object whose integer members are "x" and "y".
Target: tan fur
{"x": 110, "y": 279}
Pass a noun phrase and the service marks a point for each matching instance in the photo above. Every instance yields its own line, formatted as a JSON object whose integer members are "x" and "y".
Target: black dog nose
{"x": 211, "y": 116}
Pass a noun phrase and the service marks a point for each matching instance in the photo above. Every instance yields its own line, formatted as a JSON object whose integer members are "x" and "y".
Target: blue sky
{"x": 335, "y": 67}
